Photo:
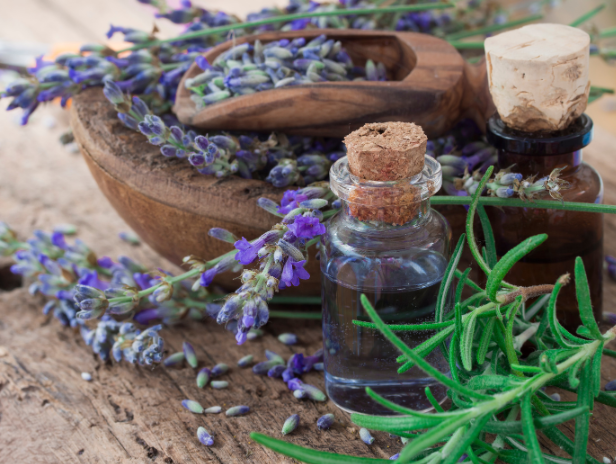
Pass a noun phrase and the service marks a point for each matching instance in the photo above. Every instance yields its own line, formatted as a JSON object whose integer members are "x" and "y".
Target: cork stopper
{"x": 386, "y": 151}
{"x": 538, "y": 76}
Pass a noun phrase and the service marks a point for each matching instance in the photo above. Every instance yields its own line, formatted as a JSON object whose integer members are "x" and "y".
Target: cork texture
{"x": 386, "y": 151}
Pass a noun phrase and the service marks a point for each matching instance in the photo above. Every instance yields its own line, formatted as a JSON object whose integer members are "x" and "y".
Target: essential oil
{"x": 387, "y": 244}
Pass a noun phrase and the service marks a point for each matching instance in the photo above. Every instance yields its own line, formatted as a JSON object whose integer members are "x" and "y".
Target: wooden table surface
{"x": 48, "y": 414}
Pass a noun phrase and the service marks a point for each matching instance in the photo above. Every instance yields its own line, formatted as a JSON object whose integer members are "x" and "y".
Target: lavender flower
{"x": 246, "y": 361}
{"x": 237, "y": 411}
{"x": 288, "y": 338}
{"x": 203, "y": 377}
{"x": 365, "y": 436}
{"x": 204, "y": 437}
{"x": 325, "y": 422}
{"x": 290, "y": 424}
{"x": 219, "y": 384}
{"x": 193, "y": 406}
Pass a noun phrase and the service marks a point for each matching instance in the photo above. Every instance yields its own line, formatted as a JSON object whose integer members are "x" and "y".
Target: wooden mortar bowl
{"x": 166, "y": 201}
{"x": 430, "y": 84}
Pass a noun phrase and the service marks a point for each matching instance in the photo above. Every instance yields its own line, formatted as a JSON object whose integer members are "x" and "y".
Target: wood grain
{"x": 430, "y": 84}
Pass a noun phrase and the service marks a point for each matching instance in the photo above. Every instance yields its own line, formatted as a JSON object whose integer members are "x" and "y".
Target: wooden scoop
{"x": 430, "y": 84}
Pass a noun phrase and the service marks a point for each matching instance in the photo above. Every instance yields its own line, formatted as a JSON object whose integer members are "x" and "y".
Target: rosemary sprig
{"x": 493, "y": 388}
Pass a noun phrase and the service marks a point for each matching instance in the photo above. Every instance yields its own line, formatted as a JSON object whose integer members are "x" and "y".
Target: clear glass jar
{"x": 570, "y": 233}
{"x": 389, "y": 245}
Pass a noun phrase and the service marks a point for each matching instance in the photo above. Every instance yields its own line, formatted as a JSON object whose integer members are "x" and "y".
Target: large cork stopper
{"x": 386, "y": 151}
{"x": 538, "y": 76}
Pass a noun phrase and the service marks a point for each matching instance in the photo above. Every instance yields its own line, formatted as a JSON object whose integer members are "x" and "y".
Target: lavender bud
{"x": 86, "y": 376}
{"x": 246, "y": 361}
{"x": 288, "y": 338}
{"x": 193, "y": 406}
{"x": 315, "y": 203}
{"x": 203, "y": 377}
{"x": 237, "y": 411}
{"x": 174, "y": 360}
{"x": 222, "y": 234}
{"x": 318, "y": 366}
{"x": 270, "y": 355}
{"x": 204, "y": 437}
{"x": 268, "y": 205}
{"x": 504, "y": 192}
{"x": 290, "y": 424}
{"x": 212, "y": 410}
{"x": 219, "y": 384}
{"x": 219, "y": 369}
{"x": 290, "y": 250}
{"x": 365, "y": 436}
{"x": 555, "y": 396}
{"x": 610, "y": 386}
{"x": 254, "y": 333}
{"x": 299, "y": 394}
{"x": 288, "y": 374}
{"x": 394, "y": 457}
{"x": 276, "y": 371}
{"x": 325, "y": 422}
{"x": 190, "y": 355}
{"x": 509, "y": 178}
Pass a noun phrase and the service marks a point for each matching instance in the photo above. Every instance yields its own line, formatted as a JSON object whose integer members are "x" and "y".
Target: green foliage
{"x": 494, "y": 390}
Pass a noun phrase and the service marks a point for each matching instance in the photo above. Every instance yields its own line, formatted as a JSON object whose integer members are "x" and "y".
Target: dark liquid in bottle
{"x": 358, "y": 357}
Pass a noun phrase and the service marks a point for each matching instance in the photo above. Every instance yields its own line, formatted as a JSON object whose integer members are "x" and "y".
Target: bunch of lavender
{"x": 289, "y": 160}
{"x": 248, "y": 68}
{"x": 81, "y": 287}
{"x": 496, "y": 392}
{"x": 73, "y": 279}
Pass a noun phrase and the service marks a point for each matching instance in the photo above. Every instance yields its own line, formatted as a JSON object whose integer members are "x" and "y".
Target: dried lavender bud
{"x": 270, "y": 355}
{"x": 555, "y": 396}
{"x": 203, "y": 377}
{"x": 246, "y": 361}
{"x": 86, "y": 376}
{"x": 290, "y": 424}
{"x": 193, "y": 406}
{"x": 394, "y": 457}
{"x": 318, "y": 366}
{"x": 276, "y": 371}
{"x": 204, "y": 437}
{"x": 190, "y": 355}
{"x": 312, "y": 392}
{"x": 404, "y": 440}
{"x": 219, "y": 384}
{"x": 65, "y": 229}
{"x": 219, "y": 369}
{"x": 300, "y": 394}
{"x": 288, "y": 338}
{"x": 130, "y": 238}
{"x": 325, "y": 422}
{"x": 174, "y": 360}
{"x": 237, "y": 411}
{"x": 610, "y": 386}
{"x": 365, "y": 436}
{"x": 212, "y": 410}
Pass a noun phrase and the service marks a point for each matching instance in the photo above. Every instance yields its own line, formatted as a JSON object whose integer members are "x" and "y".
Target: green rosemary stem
{"x": 541, "y": 204}
{"x": 295, "y": 315}
{"x": 292, "y": 17}
{"x": 585, "y": 17}
{"x": 466, "y": 45}
{"x": 611, "y": 32}
{"x": 308, "y": 300}
{"x": 493, "y": 28}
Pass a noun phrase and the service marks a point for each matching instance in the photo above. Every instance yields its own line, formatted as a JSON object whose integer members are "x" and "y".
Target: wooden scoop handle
{"x": 431, "y": 85}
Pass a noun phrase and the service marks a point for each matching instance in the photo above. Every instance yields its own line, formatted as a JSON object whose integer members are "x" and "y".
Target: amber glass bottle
{"x": 570, "y": 233}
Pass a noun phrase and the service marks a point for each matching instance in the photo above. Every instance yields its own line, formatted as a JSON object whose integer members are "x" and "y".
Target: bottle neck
{"x": 539, "y": 165}
{"x": 368, "y": 219}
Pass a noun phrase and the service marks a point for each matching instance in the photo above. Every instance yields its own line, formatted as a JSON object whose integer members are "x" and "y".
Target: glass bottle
{"x": 570, "y": 233}
{"x": 389, "y": 245}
